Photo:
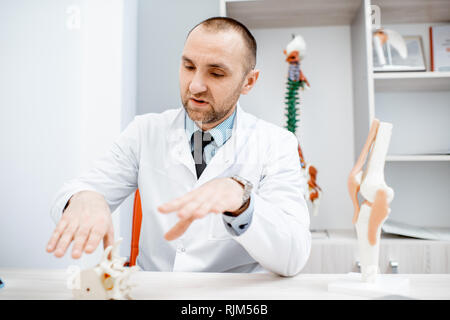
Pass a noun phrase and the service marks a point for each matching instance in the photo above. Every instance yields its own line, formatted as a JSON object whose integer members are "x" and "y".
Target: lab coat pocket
{"x": 217, "y": 229}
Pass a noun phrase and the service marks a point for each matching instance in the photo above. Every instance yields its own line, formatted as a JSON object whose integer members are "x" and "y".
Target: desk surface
{"x": 52, "y": 284}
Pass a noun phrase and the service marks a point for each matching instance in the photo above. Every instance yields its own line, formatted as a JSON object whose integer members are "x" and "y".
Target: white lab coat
{"x": 153, "y": 153}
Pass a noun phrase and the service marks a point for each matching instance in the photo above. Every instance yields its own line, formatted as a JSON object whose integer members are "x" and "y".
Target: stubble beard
{"x": 212, "y": 113}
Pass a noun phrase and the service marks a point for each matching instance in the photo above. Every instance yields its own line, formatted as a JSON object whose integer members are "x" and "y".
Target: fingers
{"x": 108, "y": 239}
{"x": 202, "y": 210}
{"x": 188, "y": 209}
{"x": 194, "y": 205}
{"x": 175, "y": 205}
{"x": 65, "y": 240}
{"x": 86, "y": 237}
{"x": 79, "y": 242}
{"x": 85, "y": 222}
{"x": 186, "y": 204}
{"x": 178, "y": 229}
{"x": 97, "y": 234}
{"x": 200, "y": 202}
{"x": 191, "y": 212}
{"x": 51, "y": 246}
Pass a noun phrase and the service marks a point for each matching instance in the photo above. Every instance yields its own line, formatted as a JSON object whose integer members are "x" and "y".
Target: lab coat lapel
{"x": 226, "y": 155}
{"x": 178, "y": 149}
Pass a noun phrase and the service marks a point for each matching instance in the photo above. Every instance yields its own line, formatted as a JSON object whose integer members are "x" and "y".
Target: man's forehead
{"x": 216, "y": 46}
{"x": 202, "y": 31}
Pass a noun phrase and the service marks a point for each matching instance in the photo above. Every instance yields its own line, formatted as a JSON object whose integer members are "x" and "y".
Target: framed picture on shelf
{"x": 414, "y": 60}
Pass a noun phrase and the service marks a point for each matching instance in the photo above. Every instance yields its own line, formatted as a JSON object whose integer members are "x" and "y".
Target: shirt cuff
{"x": 237, "y": 225}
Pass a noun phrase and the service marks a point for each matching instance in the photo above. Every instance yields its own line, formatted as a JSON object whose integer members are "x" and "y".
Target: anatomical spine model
{"x": 374, "y": 210}
{"x": 295, "y": 51}
{"x": 107, "y": 281}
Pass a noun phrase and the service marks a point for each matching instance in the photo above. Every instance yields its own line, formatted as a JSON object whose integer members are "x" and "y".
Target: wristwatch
{"x": 248, "y": 186}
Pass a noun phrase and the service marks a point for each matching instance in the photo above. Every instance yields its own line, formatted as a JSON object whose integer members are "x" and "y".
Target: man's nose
{"x": 197, "y": 84}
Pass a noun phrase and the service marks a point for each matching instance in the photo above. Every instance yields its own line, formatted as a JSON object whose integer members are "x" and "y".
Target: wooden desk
{"x": 52, "y": 284}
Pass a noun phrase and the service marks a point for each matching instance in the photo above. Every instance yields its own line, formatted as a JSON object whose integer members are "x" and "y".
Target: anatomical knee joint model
{"x": 370, "y": 216}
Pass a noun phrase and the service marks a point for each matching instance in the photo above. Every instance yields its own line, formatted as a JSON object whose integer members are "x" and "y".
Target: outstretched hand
{"x": 216, "y": 196}
{"x": 86, "y": 221}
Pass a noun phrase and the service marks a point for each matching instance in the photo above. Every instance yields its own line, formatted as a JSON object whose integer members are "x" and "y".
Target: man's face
{"x": 212, "y": 75}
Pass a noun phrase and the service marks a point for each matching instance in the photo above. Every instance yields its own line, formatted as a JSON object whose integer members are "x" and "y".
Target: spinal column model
{"x": 374, "y": 210}
{"x": 295, "y": 52}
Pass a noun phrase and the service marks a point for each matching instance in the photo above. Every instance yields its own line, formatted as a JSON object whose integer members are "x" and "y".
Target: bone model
{"x": 108, "y": 280}
{"x": 295, "y": 52}
{"x": 369, "y": 218}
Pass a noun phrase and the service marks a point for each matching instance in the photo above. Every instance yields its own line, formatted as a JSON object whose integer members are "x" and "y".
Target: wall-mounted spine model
{"x": 292, "y": 100}
{"x": 295, "y": 52}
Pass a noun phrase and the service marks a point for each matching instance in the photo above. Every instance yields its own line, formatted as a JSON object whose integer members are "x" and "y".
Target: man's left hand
{"x": 216, "y": 196}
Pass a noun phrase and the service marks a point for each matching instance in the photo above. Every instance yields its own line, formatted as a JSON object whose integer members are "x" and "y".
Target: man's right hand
{"x": 86, "y": 221}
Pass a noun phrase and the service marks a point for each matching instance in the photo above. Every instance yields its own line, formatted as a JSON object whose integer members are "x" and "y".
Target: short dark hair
{"x": 225, "y": 23}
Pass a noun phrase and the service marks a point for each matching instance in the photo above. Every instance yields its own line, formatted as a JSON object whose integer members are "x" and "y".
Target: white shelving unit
{"x": 421, "y": 157}
{"x": 418, "y": 106}
{"x": 411, "y": 81}
{"x": 444, "y": 76}
{"x": 421, "y": 181}
{"x": 338, "y": 253}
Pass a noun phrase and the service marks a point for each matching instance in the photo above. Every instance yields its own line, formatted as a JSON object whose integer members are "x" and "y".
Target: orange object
{"x": 294, "y": 56}
{"x": 303, "y": 78}
{"x": 300, "y": 154}
{"x": 382, "y": 35}
{"x": 107, "y": 281}
{"x": 431, "y": 48}
{"x": 136, "y": 228}
{"x": 378, "y": 214}
{"x": 352, "y": 183}
{"x": 313, "y": 187}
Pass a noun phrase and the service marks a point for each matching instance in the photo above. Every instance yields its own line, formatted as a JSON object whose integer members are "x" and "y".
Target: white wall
{"x": 162, "y": 30}
{"x": 326, "y": 118}
{"x": 62, "y": 101}
{"x": 129, "y": 107}
{"x": 421, "y": 192}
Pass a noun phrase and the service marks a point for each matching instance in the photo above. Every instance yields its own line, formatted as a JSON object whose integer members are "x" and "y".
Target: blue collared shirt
{"x": 221, "y": 133}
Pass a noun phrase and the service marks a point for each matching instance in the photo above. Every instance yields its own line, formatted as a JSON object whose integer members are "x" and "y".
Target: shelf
{"x": 301, "y": 13}
{"x": 288, "y": 13}
{"x": 411, "y": 75}
{"x": 412, "y": 81}
{"x": 424, "y": 157}
{"x": 413, "y": 11}
{"x": 348, "y": 236}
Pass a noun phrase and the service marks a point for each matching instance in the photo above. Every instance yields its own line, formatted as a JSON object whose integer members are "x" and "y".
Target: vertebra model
{"x": 107, "y": 281}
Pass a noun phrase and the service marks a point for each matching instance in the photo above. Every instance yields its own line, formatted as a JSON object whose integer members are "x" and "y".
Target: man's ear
{"x": 250, "y": 81}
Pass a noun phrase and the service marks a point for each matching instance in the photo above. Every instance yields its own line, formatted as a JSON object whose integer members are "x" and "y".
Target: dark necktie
{"x": 200, "y": 140}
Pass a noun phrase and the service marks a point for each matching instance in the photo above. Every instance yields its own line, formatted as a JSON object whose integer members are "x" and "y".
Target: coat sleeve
{"x": 278, "y": 236}
{"x": 114, "y": 175}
